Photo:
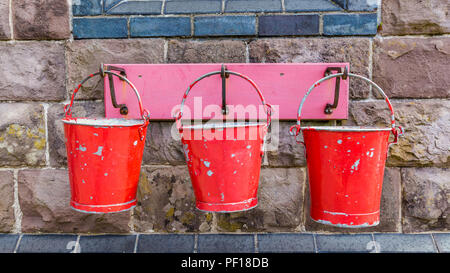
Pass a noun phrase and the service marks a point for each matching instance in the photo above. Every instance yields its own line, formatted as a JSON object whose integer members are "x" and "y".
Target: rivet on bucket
{"x": 104, "y": 159}
{"x": 223, "y": 169}
{"x": 346, "y": 168}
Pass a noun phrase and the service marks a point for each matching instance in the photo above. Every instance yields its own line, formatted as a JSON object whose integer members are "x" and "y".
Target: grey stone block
{"x": 107, "y": 244}
{"x": 48, "y": 243}
{"x": 443, "y": 242}
{"x": 225, "y": 26}
{"x": 279, "y": 25}
{"x": 344, "y": 243}
{"x": 226, "y": 243}
{"x": 285, "y": 243}
{"x": 165, "y": 243}
{"x": 137, "y": 7}
{"x": 8, "y": 242}
{"x": 414, "y": 243}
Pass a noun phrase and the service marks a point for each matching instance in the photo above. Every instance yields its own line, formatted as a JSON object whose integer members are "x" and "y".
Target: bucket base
{"x": 345, "y": 220}
{"x": 227, "y": 207}
{"x": 103, "y": 208}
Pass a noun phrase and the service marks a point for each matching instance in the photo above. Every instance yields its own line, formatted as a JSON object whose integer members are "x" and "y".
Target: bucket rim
{"x": 223, "y": 125}
{"x": 110, "y": 122}
{"x": 345, "y": 128}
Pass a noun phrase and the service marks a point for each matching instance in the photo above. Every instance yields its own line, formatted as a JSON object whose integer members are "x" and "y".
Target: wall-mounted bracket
{"x": 123, "y": 107}
{"x": 329, "y": 107}
{"x": 283, "y": 85}
{"x": 224, "y": 75}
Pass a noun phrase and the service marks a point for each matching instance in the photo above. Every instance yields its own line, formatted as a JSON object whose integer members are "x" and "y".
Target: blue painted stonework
{"x": 358, "y": 5}
{"x": 362, "y": 5}
{"x": 84, "y": 28}
{"x": 192, "y": 7}
{"x": 308, "y": 5}
{"x": 225, "y": 26}
{"x": 176, "y": 18}
{"x": 137, "y": 8}
{"x": 280, "y": 25}
{"x": 133, "y": 7}
{"x": 253, "y": 6}
{"x": 342, "y": 3}
{"x": 160, "y": 26}
{"x": 107, "y": 4}
{"x": 86, "y": 7}
{"x": 350, "y": 24}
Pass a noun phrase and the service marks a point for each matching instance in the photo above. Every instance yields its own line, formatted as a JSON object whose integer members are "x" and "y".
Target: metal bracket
{"x": 123, "y": 107}
{"x": 174, "y": 79}
{"x": 224, "y": 75}
{"x": 329, "y": 107}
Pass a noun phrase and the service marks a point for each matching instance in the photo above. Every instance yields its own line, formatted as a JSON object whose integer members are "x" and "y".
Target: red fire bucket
{"x": 224, "y": 159}
{"x": 346, "y": 168}
{"x": 104, "y": 158}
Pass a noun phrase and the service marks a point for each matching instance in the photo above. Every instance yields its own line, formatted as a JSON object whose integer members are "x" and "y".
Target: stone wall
{"x": 46, "y": 47}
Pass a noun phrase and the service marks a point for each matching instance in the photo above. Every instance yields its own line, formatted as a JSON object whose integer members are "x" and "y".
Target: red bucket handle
{"x": 68, "y": 107}
{"x": 267, "y": 106}
{"x": 394, "y": 129}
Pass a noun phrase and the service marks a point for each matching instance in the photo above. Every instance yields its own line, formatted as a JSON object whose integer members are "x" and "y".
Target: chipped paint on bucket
{"x": 221, "y": 182}
{"x": 215, "y": 154}
{"x": 104, "y": 157}
{"x": 104, "y": 162}
{"x": 354, "y": 178}
{"x": 346, "y": 193}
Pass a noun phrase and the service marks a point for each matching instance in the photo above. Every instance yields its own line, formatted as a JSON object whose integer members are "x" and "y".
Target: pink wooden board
{"x": 162, "y": 86}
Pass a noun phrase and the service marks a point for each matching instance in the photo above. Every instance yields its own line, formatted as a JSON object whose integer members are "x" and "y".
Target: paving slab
{"x": 47, "y": 243}
{"x": 404, "y": 243}
{"x": 225, "y": 243}
{"x": 166, "y": 243}
{"x": 357, "y": 243}
{"x": 107, "y": 244}
{"x": 285, "y": 243}
{"x": 8, "y": 242}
